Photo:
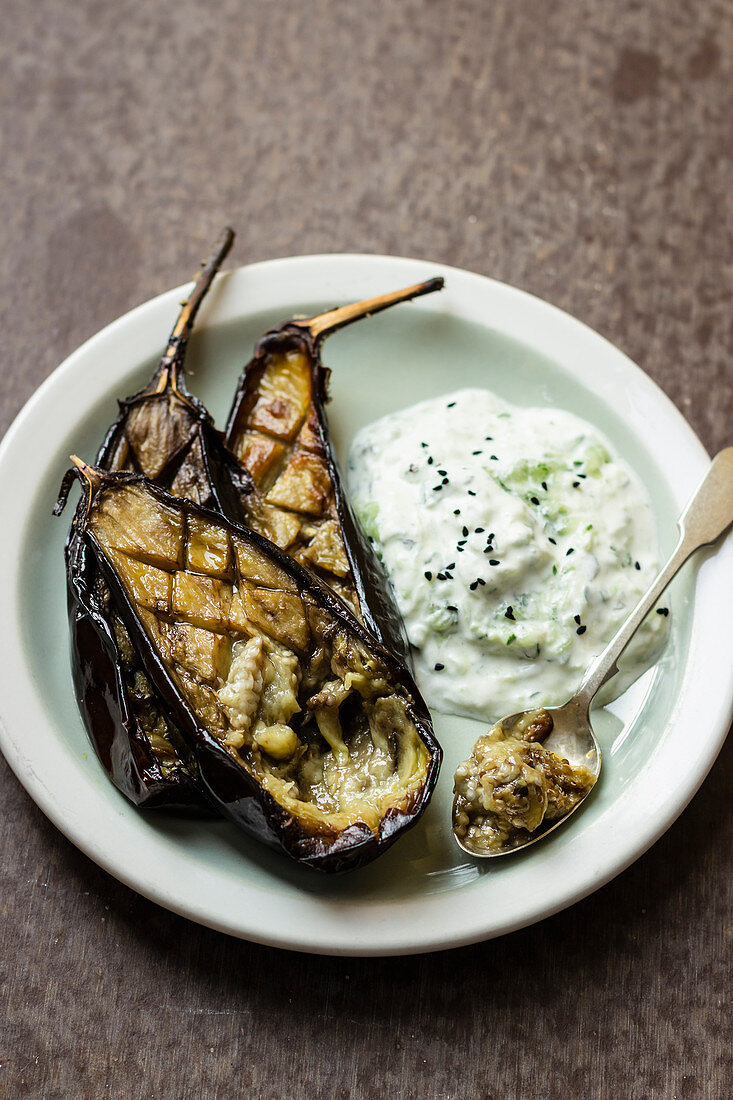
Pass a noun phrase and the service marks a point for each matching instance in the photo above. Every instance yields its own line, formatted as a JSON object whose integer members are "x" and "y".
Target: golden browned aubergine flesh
{"x": 304, "y": 730}
{"x": 277, "y": 428}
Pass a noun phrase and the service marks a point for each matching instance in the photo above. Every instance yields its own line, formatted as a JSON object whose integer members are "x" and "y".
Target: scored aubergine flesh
{"x": 305, "y": 731}
{"x": 278, "y": 430}
{"x": 165, "y": 433}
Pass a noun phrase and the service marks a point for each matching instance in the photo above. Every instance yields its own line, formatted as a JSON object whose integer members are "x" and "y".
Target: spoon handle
{"x": 708, "y": 516}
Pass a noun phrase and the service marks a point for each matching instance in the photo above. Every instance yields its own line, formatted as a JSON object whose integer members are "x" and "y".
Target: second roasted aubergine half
{"x": 165, "y": 433}
{"x": 278, "y": 430}
{"x": 303, "y": 728}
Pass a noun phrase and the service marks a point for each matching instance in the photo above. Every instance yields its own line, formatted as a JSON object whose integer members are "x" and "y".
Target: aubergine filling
{"x": 294, "y": 696}
{"x": 511, "y": 785}
{"x": 276, "y": 439}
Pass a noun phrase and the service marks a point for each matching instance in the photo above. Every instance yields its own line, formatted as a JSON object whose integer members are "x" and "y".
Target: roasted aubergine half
{"x": 278, "y": 430}
{"x": 165, "y": 433}
{"x": 302, "y": 728}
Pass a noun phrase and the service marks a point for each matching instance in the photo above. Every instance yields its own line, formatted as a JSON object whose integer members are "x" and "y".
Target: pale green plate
{"x": 423, "y": 893}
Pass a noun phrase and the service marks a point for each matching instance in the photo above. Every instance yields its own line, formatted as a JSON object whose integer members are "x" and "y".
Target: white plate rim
{"x": 428, "y": 923}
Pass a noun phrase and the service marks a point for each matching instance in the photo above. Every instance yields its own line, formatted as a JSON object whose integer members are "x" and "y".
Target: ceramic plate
{"x": 659, "y": 740}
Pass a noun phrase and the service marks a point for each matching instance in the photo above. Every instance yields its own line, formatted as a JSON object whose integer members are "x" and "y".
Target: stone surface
{"x": 578, "y": 149}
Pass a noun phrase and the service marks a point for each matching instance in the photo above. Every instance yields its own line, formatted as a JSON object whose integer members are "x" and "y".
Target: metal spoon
{"x": 708, "y": 516}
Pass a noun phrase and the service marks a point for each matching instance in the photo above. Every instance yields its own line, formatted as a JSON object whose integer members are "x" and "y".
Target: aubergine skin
{"x": 278, "y": 429}
{"x": 231, "y": 788}
{"x": 167, "y": 433}
{"x": 109, "y": 715}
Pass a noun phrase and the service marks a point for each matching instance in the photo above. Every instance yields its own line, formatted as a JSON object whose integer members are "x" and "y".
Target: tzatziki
{"x": 516, "y": 542}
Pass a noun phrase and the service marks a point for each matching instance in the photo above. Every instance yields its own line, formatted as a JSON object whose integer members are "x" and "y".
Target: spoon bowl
{"x": 571, "y": 738}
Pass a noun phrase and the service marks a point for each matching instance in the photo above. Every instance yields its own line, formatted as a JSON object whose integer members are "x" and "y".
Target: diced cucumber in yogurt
{"x": 516, "y": 543}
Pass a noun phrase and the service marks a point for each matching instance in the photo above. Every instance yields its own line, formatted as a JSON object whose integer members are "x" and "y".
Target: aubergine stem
{"x": 325, "y": 323}
{"x": 93, "y": 479}
{"x": 171, "y": 362}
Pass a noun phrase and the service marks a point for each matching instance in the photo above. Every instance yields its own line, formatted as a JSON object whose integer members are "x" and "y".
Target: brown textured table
{"x": 579, "y": 149}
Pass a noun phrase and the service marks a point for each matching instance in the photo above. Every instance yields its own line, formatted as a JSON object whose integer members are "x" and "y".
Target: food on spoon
{"x": 277, "y": 428}
{"x": 303, "y": 729}
{"x": 511, "y": 785}
{"x": 516, "y": 543}
{"x": 165, "y": 433}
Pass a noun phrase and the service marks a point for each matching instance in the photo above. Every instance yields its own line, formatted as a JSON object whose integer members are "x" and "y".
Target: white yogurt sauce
{"x": 516, "y": 542}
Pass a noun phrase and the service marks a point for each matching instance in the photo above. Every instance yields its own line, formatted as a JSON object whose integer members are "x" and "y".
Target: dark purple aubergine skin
{"x": 234, "y": 792}
{"x": 106, "y": 707}
{"x": 374, "y": 592}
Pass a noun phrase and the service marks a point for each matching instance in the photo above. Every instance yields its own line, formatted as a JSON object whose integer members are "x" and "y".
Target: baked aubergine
{"x": 304, "y": 730}
{"x": 165, "y": 433}
{"x": 277, "y": 428}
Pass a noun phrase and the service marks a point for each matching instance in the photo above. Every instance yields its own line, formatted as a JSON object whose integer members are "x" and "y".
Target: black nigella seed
{"x": 428, "y": 575}
{"x": 636, "y": 565}
{"x": 451, "y": 607}
{"x": 544, "y": 485}
{"x": 460, "y": 549}
{"x": 477, "y": 452}
{"x": 450, "y": 404}
{"x": 584, "y": 476}
{"x": 576, "y": 484}
{"x": 549, "y": 539}
{"x": 445, "y": 481}
{"x": 423, "y": 444}
{"x": 471, "y": 493}
{"x": 437, "y": 488}
{"x": 451, "y": 566}
{"x": 577, "y": 619}
{"x": 479, "y": 530}
{"x": 493, "y": 561}
{"x": 461, "y": 542}
{"x": 442, "y": 472}
{"x": 493, "y": 458}
{"x": 488, "y": 549}
{"x": 489, "y": 438}
{"x": 509, "y": 613}
{"x": 490, "y": 536}
{"x": 430, "y": 460}
{"x": 569, "y": 552}
{"x": 581, "y": 630}
{"x": 465, "y": 531}
{"x": 534, "y": 500}
{"x": 663, "y": 611}
{"x": 439, "y": 667}
{"x": 473, "y": 586}
{"x": 480, "y": 580}
{"x": 457, "y": 512}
